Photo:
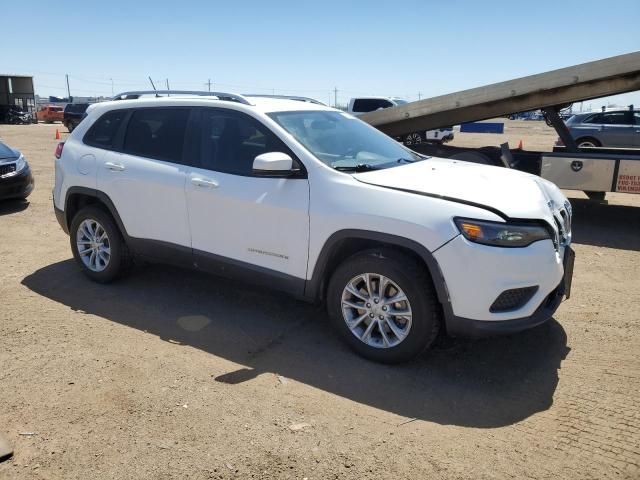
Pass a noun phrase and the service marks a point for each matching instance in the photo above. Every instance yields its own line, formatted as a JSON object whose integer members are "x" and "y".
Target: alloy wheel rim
{"x": 376, "y": 310}
{"x": 93, "y": 245}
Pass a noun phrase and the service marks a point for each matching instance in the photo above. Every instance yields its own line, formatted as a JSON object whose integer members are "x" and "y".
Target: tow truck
{"x": 593, "y": 170}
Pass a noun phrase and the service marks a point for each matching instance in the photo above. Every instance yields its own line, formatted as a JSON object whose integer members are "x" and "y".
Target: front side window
{"x": 102, "y": 134}
{"x": 230, "y": 141}
{"x": 157, "y": 133}
{"x": 342, "y": 141}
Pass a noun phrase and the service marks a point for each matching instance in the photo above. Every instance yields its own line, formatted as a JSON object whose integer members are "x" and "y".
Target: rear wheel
{"x": 384, "y": 306}
{"x": 98, "y": 246}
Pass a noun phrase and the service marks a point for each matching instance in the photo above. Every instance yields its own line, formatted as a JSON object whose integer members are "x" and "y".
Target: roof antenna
{"x": 154, "y": 87}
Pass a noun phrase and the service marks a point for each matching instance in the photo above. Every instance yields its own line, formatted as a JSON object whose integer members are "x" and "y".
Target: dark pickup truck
{"x": 73, "y": 115}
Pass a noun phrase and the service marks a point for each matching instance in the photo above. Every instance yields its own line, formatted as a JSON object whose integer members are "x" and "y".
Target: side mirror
{"x": 273, "y": 164}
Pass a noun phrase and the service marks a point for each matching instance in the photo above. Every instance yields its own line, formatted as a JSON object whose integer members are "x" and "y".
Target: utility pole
{"x": 208, "y": 84}
{"x": 68, "y": 89}
{"x": 112, "y": 94}
{"x": 419, "y": 96}
{"x": 335, "y": 97}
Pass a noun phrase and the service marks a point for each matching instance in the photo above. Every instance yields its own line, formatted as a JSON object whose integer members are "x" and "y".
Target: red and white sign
{"x": 628, "y": 180}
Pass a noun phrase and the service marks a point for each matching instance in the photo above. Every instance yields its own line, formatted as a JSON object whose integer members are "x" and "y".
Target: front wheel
{"x": 98, "y": 246}
{"x": 588, "y": 142}
{"x": 384, "y": 305}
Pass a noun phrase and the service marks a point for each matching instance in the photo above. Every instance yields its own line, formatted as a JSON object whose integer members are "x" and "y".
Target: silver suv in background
{"x": 610, "y": 128}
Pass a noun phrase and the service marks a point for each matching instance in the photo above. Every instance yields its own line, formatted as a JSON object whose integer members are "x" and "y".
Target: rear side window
{"x": 103, "y": 133}
{"x": 157, "y": 133}
{"x": 610, "y": 118}
{"x": 76, "y": 107}
{"x": 230, "y": 141}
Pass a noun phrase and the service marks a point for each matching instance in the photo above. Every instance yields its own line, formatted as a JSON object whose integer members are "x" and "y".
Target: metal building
{"x": 16, "y": 90}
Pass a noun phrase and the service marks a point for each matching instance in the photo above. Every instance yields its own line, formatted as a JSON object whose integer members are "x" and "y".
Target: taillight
{"x": 59, "y": 149}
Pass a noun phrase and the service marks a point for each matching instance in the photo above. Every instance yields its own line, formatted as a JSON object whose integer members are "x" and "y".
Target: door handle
{"x": 114, "y": 167}
{"x": 204, "y": 182}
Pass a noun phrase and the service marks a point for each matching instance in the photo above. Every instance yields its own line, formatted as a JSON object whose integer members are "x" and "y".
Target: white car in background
{"x": 308, "y": 199}
{"x": 360, "y": 105}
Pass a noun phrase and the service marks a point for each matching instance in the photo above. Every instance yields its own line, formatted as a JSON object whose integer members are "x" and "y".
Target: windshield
{"x": 399, "y": 101}
{"x": 344, "y": 142}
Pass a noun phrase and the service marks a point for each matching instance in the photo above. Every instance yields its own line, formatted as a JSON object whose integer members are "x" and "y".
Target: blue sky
{"x": 308, "y": 48}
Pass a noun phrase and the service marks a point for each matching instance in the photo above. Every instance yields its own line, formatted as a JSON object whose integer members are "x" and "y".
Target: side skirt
{"x": 177, "y": 255}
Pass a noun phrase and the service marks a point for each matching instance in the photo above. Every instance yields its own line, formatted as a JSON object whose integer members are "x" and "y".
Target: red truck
{"x": 50, "y": 114}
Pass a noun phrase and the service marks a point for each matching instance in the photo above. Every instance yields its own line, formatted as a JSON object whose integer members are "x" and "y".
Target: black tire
{"x": 593, "y": 141}
{"x": 120, "y": 260}
{"x": 416, "y": 283}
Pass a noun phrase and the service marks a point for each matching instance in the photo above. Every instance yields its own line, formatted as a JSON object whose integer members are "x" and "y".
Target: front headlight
{"x": 499, "y": 234}
{"x": 20, "y": 164}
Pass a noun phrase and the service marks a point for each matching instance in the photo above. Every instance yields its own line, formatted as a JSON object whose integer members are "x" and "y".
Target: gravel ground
{"x": 174, "y": 374}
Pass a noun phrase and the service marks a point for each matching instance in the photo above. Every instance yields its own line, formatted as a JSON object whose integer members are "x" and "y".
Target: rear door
{"x": 255, "y": 222}
{"x": 145, "y": 178}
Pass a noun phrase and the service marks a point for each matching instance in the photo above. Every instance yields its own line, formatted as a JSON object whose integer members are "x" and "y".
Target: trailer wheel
{"x": 472, "y": 157}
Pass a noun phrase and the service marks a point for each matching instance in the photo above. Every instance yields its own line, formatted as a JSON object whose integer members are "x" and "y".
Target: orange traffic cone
{"x": 57, "y": 134}
{"x": 520, "y": 145}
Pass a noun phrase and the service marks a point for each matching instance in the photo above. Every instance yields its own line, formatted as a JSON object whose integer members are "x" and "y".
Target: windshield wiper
{"x": 360, "y": 167}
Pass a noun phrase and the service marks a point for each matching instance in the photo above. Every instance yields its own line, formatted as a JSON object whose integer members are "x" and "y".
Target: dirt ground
{"x": 174, "y": 374}
{"x": 535, "y": 136}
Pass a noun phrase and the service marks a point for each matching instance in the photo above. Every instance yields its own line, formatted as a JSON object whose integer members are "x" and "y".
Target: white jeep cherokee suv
{"x": 308, "y": 199}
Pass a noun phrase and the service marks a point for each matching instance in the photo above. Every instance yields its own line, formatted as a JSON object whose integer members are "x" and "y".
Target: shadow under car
{"x": 486, "y": 383}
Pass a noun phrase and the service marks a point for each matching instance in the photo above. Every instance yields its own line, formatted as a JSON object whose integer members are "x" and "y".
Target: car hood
{"x": 6, "y": 152}
{"x": 507, "y": 192}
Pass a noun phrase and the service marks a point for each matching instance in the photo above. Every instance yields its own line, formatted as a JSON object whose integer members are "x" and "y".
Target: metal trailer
{"x": 592, "y": 170}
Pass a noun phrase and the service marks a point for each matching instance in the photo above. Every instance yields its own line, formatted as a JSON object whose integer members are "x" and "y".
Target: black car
{"x": 73, "y": 115}
{"x": 16, "y": 180}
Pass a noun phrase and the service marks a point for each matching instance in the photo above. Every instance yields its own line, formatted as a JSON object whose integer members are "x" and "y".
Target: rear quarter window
{"x": 103, "y": 132}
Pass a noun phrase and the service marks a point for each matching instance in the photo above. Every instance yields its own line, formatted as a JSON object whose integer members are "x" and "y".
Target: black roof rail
{"x": 287, "y": 97}
{"x": 232, "y": 97}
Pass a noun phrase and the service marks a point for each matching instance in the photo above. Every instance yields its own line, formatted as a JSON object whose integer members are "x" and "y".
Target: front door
{"x": 237, "y": 218}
